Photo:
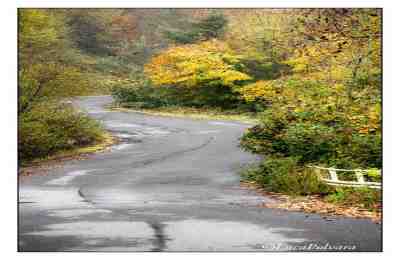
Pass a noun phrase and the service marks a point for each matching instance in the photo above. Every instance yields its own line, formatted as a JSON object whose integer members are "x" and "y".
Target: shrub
{"x": 368, "y": 149}
{"x": 312, "y": 142}
{"x": 138, "y": 97}
{"x": 334, "y": 143}
{"x": 262, "y": 69}
{"x": 266, "y": 138}
{"x": 284, "y": 175}
{"x": 364, "y": 197}
{"x": 139, "y": 93}
{"x": 50, "y": 127}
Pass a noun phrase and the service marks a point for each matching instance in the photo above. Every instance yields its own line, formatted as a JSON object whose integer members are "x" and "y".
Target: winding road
{"x": 172, "y": 184}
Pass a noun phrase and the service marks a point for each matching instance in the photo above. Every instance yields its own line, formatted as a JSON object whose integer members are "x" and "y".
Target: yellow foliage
{"x": 259, "y": 90}
{"x": 299, "y": 63}
{"x": 194, "y": 64}
{"x": 339, "y": 73}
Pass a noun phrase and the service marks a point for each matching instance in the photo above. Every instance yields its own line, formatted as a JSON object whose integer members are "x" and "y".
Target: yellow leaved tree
{"x": 211, "y": 62}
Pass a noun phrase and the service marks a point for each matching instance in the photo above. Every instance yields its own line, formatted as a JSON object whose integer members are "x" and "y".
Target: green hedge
{"x": 51, "y": 127}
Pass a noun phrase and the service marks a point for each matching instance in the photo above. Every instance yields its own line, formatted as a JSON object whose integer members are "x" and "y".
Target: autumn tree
{"x": 92, "y": 30}
{"x": 264, "y": 42}
{"x": 209, "y": 68}
{"x": 46, "y": 76}
{"x": 327, "y": 108}
{"x": 43, "y": 71}
{"x": 341, "y": 41}
{"x": 209, "y": 27}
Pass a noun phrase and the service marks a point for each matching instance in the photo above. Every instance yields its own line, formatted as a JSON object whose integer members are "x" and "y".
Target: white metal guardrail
{"x": 333, "y": 178}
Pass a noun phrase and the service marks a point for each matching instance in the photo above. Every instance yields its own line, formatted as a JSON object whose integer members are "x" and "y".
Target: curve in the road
{"x": 171, "y": 185}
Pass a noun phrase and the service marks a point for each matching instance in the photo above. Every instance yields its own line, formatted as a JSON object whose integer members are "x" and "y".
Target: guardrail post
{"x": 333, "y": 175}
{"x": 360, "y": 176}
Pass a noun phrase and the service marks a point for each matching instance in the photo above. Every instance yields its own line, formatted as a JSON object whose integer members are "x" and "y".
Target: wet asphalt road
{"x": 172, "y": 184}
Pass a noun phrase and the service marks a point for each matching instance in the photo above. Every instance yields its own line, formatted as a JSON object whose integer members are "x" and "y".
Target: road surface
{"x": 172, "y": 184}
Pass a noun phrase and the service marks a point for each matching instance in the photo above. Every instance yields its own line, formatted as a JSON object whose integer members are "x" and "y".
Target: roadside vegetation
{"x": 311, "y": 77}
{"x": 308, "y": 79}
{"x": 64, "y": 53}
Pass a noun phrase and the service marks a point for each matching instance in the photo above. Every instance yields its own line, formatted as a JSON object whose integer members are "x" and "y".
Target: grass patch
{"x": 364, "y": 197}
{"x": 285, "y": 177}
{"x": 193, "y": 113}
{"x": 106, "y": 140}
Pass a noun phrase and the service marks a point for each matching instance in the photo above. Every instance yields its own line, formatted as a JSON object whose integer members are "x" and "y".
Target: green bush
{"x": 262, "y": 69}
{"x": 312, "y": 142}
{"x": 213, "y": 96}
{"x": 368, "y": 149}
{"x": 286, "y": 133}
{"x": 284, "y": 175}
{"x": 266, "y": 138}
{"x": 363, "y": 197}
{"x": 49, "y": 128}
{"x": 292, "y": 141}
{"x": 139, "y": 93}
